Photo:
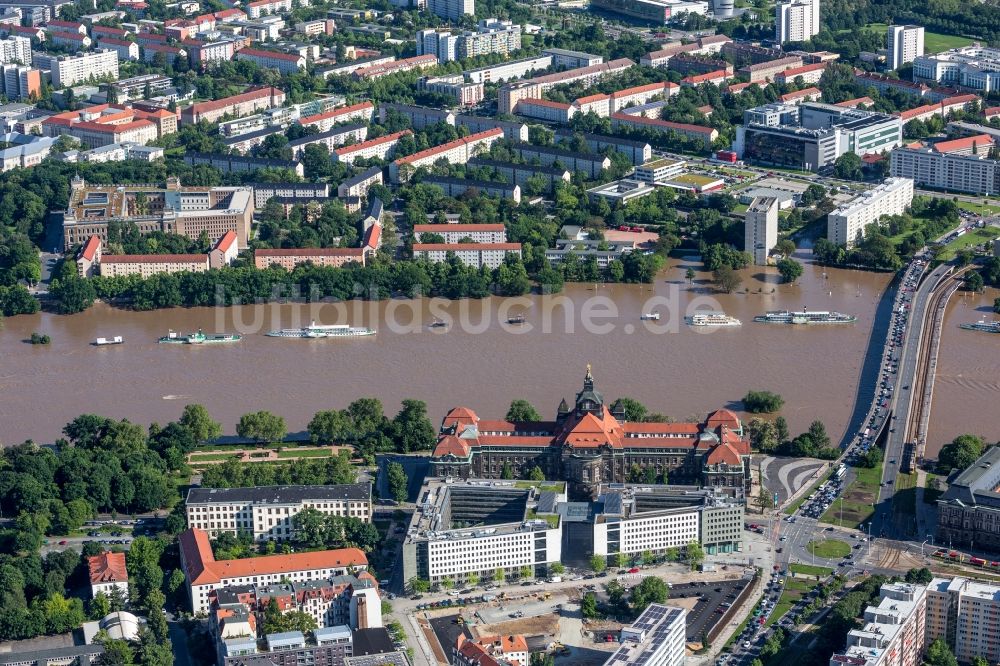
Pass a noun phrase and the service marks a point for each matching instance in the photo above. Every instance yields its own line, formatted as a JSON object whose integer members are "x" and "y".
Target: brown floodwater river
{"x": 478, "y": 360}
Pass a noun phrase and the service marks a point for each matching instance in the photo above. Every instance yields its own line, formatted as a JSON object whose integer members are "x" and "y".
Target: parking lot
{"x": 713, "y": 600}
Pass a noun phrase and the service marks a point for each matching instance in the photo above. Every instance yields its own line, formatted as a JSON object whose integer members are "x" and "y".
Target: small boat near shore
{"x": 805, "y": 317}
{"x": 715, "y": 319}
{"x": 516, "y": 319}
{"x": 650, "y": 316}
{"x": 982, "y": 325}
{"x": 438, "y": 323}
{"x": 315, "y": 330}
{"x": 105, "y": 342}
{"x": 199, "y": 338}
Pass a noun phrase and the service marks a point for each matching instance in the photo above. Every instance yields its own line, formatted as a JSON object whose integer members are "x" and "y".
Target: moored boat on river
{"x": 805, "y": 317}
{"x": 315, "y": 330}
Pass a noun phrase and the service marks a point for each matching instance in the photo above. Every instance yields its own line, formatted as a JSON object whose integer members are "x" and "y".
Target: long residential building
{"x": 959, "y": 165}
{"x": 463, "y": 92}
{"x": 229, "y": 163}
{"x": 892, "y": 633}
{"x": 507, "y": 71}
{"x": 846, "y": 225}
{"x": 475, "y": 255}
{"x": 363, "y": 112}
{"x": 460, "y": 187}
{"x": 68, "y": 70}
{"x": 510, "y": 94}
{"x": 145, "y": 265}
{"x": 380, "y": 148}
{"x": 267, "y": 513}
{"x": 204, "y": 573}
{"x": 706, "y": 135}
{"x": 454, "y": 233}
{"x": 512, "y": 131}
{"x": 244, "y": 104}
{"x": 590, "y": 164}
{"x": 187, "y": 211}
{"x": 286, "y": 63}
{"x": 522, "y": 174}
{"x": 458, "y": 151}
{"x": 289, "y": 258}
{"x": 357, "y": 186}
{"x": 337, "y": 136}
{"x": 639, "y": 152}
{"x": 766, "y": 71}
{"x": 404, "y": 65}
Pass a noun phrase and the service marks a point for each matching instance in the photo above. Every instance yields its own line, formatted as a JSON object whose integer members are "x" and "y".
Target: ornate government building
{"x": 591, "y": 443}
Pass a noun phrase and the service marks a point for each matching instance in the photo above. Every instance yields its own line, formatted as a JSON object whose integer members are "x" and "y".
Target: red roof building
{"x": 590, "y": 443}
{"x": 108, "y": 574}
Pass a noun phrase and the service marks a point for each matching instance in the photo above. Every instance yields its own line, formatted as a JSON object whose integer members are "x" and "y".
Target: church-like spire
{"x": 588, "y": 381}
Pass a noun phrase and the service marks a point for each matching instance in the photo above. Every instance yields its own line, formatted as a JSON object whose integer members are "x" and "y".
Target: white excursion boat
{"x": 650, "y": 316}
{"x": 713, "y": 319}
{"x": 102, "y": 342}
{"x": 315, "y": 330}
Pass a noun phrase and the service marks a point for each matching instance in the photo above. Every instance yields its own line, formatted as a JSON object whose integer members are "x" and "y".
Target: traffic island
{"x": 829, "y": 549}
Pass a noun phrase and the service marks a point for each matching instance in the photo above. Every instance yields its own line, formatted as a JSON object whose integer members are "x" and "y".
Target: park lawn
{"x": 856, "y": 505}
{"x": 207, "y": 457}
{"x": 831, "y": 549}
{"x": 977, "y": 237}
{"x": 308, "y": 453}
{"x": 810, "y": 570}
{"x": 790, "y": 595}
{"x": 979, "y": 209}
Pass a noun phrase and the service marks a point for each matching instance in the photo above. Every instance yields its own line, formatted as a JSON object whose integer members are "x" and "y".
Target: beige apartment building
{"x": 243, "y": 104}
{"x": 145, "y": 265}
{"x": 289, "y": 258}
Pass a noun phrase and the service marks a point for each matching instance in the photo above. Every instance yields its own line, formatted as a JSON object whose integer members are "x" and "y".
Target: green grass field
{"x": 208, "y": 457}
{"x": 979, "y": 209}
{"x": 977, "y": 237}
{"x": 308, "y": 453}
{"x": 790, "y": 595}
{"x": 931, "y": 494}
{"x": 830, "y": 549}
{"x": 810, "y": 570}
{"x": 934, "y": 42}
{"x": 856, "y": 506}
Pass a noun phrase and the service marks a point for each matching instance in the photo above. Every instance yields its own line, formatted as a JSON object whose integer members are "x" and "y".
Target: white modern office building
{"x": 846, "y": 225}
{"x": 478, "y": 526}
{"x": 796, "y": 21}
{"x": 760, "y": 233}
{"x": 975, "y": 67}
{"x": 904, "y": 44}
{"x": 893, "y": 631}
{"x": 656, "y": 638}
{"x": 268, "y": 512}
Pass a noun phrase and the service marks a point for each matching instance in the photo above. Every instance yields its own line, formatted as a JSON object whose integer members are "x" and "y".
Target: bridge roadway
{"x": 887, "y": 521}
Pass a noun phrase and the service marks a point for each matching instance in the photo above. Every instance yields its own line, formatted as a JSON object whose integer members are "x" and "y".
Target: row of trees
{"x": 774, "y": 437}
{"x": 364, "y": 424}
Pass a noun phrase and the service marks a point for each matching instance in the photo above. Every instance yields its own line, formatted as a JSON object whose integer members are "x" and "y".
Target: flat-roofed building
{"x": 949, "y": 165}
{"x": 69, "y": 70}
{"x": 659, "y": 170}
{"x": 892, "y": 633}
{"x": 656, "y": 638}
{"x": 476, "y": 255}
{"x": 454, "y": 233}
{"x": 357, "y": 186}
{"x": 760, "y": 233}
{"x": 268, "y": 513}
{"x": 145, "y": 265}
{"x": 566, "y": 59}
{"x": 846, "y": 225}
{"x": 507, "y": 71}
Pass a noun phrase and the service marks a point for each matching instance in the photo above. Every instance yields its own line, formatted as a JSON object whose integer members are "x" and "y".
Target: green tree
{"x": 766, "y": 402}
{"x": 398, "y": 481}
{"x": 499, "y": 576}
{"x": 694, "y": 554}
{"x": 472, "y": 579}
{"x": 790, "y": 270}
{"x": 786, "y": 246}
{"x": 557, "y": 569}
{"x": 446, "y": 583}
{"x": 939, "y": 654}
{"x": 506, "y": 472}
{"x": 726, "y": 279}
{"x": 763, "y": 435}
{"x": 412, "y": 428}
{"x": 330, "y": 427}
{"x": 921, "y": 576}
{"x": 536, "y": 474}
{"x": 522, "y": 410}
{"x": 648, "y": 558}
{"x": 621, "y": 560}
{"x": 979, "y": 661}
{"x": 598, "y": 563}
{"x": 198, "y": 421}
{"x": 588, "y": 605}
{"x": 974, "y": 282}
{"x": 689, "y": 275}
{"x": 262, "y": 426}
{"x": 781, "y": 429}
{"x": 418, "y": 585}
{"x": 848, "y": 167}
{"x": 74, "y": 294}
{"x": 635, "y": 411}
{"x": 117, "y": 652}
{"x": 960, "y": 453}
{"x": 526, "y": 572}
{"x": 651, "y": 590}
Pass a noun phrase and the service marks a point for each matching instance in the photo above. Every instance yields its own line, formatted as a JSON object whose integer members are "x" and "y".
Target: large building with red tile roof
{"x": 107, "y": 574}
{"x": 243, "y": 104}
{"x": 204, "y": 573}
{"x": 590, "y": 443}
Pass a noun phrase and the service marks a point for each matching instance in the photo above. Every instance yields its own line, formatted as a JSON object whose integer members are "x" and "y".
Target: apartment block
{"x": 510, "y": 94}
{"x": 893, "y": 631}
{"x": 964, "y": 613}
{"x": 419, "y": 116}
{"x": 566, "y": 59}
{"x": 766, "y": 71}
{"x": 458, "y": 151}
{"x": 454, "y": 86}
{"x": 491, "y": 36}
{"x": 286, "y": 63}
{"x": 331, "y": 139}
{"x": 461, "y": 187}
{"x": 289, "y": 258}
{"x": 507, "y": 71}
{"x": 656, "y": 638}
{"x": 204, "y": 573}
{"x": 639, "y": 152}
{"x": 21, "y": 82}
{"x": 145, "y": 265}
{"x": 760, "y": 233}
{"x": 454, "y": 233}
{"x": 15, "y": 50}
{"x": 512, "y": 131}
{"x": 476, "y": 255}
{"x": 357, "y": 186}
{"x": 949, "y": 165}
{"x": 706, "y": 135}
{"x": 229, "y": 163}
{"x": 360, "y": 113}
{"x": 846, "y": 225}
{"x": 268, "y": 512}
{"x": 394, "y": 67}
{"x": 70, "y": 70}
{"x": 523, "y": 174}
{"x": 244, "y": 104}
{"x": 553, "y": 112}
{"x": 796, "y": 21}
{"x": 106, "y": 124}
{"x": 590, "y": 164}
{"x": 381, "y": 148}
{"x": 452, "y": 10}
{"x": 904, "y": 44}
{"x": 808, "y": 73}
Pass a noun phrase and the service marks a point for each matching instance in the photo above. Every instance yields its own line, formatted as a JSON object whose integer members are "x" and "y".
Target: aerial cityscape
{"x": 499, "y": 333}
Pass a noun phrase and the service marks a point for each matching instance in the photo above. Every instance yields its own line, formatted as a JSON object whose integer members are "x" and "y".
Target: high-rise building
{"x": 15, "y": 49}
{"x": 796, "y": 21}
{"x": 490, "y": 36}
{"x": 723, "y": 8}
{"x": 452, "y": 10}
{"x": 21, "y": 82}
{"x": 761, "y": 228}
{"x": 904, "y": 44}
{"x": 70, "y": 70}
{"x": 966, "y": 615}
{"x": 893, "y": 631}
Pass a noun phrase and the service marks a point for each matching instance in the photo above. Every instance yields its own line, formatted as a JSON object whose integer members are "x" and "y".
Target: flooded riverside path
{"x": 483, "y": 365}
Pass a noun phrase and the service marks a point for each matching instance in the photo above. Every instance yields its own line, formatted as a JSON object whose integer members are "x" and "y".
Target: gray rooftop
{"x": 85, "y": 653}
{"x": 363, "y": 176}
{"x": 978, "y": 484}
{"x": 396, "y": 658}
{"x": 280, "y": 494}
